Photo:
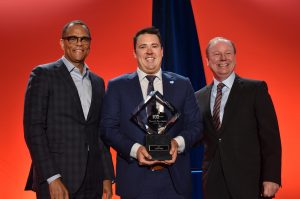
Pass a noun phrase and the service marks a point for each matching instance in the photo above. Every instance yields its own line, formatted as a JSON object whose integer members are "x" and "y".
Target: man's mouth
{"x": 223, "y": 65}
{"x": 150, "y": 59}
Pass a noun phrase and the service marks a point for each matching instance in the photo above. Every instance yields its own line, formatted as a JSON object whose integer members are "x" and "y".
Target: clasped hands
{"x": 145, "y": 158}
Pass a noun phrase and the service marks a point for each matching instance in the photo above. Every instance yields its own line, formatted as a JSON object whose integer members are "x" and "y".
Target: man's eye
{"x": 72, "y": 39}
{"x": 85, "y": 39}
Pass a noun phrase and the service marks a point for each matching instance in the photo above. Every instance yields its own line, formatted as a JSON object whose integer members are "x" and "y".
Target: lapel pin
{"x": 172, "y": 82}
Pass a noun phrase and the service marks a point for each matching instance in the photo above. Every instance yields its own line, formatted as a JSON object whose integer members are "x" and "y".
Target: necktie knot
{"x": 220, "y": 86}
{"x": 150, "y": 78}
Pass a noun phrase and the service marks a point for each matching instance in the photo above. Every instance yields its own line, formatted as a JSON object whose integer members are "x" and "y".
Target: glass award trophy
{"x": 155, "y": 116}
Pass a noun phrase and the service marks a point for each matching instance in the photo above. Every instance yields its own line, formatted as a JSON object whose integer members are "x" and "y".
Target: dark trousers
{"x": 214, "y": 183}
{"x": 158, "y": 185}
{"x": 89, "y": 189}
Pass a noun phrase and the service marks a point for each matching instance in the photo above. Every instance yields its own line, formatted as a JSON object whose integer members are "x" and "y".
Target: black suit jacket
{"x": 56, "y": 132}
{"x": 248, "y": 143}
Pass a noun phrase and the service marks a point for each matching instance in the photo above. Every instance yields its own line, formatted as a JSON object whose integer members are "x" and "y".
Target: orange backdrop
{"x": 266, "y": 34}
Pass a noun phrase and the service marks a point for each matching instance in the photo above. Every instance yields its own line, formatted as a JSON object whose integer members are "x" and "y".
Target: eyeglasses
{"x": 74, "y": 39}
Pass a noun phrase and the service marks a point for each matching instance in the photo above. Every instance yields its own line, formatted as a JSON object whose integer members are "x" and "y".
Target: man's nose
{"x": 149, "y": 50}
{"x": 79, "y": 41}
{"x": 223, "y": 57}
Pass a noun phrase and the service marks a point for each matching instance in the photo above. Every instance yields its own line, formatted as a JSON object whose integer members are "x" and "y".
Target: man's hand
{"x": 144, "y": 157}
{"x": 173, "y": 153}
{"x": 269, "y": 189}
{"x": 58, "y": 190}
{"x": 107, "y": 189}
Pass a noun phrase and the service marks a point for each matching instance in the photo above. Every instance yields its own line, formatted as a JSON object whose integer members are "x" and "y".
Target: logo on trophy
{"x": 155, "y": 116}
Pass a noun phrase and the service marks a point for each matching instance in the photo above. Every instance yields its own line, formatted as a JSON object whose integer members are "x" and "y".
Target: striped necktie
{"x": 216, "y": 111}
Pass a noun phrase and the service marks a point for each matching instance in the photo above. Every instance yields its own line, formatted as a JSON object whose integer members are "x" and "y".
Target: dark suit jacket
{"x": 248, "y": 142}
{"x": 123, "y": 95}
{"x": 56, "y": 131}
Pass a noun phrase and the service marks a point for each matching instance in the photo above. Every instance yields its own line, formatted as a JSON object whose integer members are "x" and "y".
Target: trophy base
{"x": 158, "y": 146}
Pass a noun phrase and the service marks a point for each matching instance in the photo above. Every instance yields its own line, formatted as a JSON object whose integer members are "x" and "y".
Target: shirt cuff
{"x": 181, "y": 143}
{"x": 51, "y": 179}
{"x": 134, "y": 149}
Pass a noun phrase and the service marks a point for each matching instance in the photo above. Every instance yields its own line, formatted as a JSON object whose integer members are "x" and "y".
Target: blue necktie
{"x": 150, "y": 88}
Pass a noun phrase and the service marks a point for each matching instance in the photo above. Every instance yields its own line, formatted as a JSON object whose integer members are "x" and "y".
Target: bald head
{"x": 216, "y": 40}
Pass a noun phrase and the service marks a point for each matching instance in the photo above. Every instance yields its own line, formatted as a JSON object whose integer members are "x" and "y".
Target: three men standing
{"x": 63, "y": 105}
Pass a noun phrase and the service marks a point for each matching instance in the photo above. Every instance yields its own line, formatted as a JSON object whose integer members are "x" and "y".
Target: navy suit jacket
{"x": 123, "y": 95}
{"x": 247, "y": 145}
{"x": 56, "y": 131}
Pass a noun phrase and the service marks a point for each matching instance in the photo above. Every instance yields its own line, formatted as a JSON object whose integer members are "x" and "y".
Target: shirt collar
{"x": 142, "y": 75}
{"x": 71, "y": 67}
{"x": 228, "y": 82}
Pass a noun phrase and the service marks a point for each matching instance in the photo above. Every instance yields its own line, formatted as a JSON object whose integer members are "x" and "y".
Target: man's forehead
{"x": 220, "y": 43}
{"x": 146, "y": 36}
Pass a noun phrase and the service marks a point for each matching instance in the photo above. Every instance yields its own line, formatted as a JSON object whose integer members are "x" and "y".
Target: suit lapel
{"x": 169, "y": 89}
{"x": 135, "y": 91}
{"x": 65, "y": 75}
{"x": 95, "y": 96}
{"x": 207, "y": 110}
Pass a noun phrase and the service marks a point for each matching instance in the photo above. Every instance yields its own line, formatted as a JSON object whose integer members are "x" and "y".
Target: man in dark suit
{"x": 138, "y": 175}
{"x": 242, "y": 158}
{"x": 62, "y": 113}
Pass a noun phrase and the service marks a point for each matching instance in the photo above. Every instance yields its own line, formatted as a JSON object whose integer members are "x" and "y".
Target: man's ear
{"x": 62, "y": 45}
{"x": 134, "y": 54}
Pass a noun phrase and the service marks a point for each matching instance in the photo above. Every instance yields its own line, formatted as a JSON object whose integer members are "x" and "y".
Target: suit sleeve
{"x": 269, "y": 135}
{"x": 35, "y": 125}
{"x": 106, "y": 159}
{"x": 111, "y": 122}
{"x": 108, "y": 168}
{"x": 193, "y": 125}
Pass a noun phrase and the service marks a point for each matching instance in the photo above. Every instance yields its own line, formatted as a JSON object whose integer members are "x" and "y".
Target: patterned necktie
{"x": 216, "y": 111}
{"x": 150, "y": 88}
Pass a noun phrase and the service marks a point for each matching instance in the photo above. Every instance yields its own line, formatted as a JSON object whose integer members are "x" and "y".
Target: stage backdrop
{"x": 266, "y": 34}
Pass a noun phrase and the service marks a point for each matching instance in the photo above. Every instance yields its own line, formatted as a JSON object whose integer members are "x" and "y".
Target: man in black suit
{"x": 61, "y": 124}
{"x": 242, "y": 158}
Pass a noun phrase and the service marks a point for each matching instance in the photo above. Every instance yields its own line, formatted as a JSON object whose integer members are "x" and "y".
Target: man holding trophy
{"x": 150, "y": 117}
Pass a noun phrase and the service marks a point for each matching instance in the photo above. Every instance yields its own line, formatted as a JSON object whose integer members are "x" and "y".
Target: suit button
{"x": 220, "y": 139}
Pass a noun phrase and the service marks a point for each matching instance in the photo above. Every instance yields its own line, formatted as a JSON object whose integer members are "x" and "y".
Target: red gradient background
{"x": 266, "y": 34}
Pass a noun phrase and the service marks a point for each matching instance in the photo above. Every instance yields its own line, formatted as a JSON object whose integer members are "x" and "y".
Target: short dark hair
{"x": 74, "y": 22}
{"x": 215, "y": 40}
{"x": 149, "y": 30}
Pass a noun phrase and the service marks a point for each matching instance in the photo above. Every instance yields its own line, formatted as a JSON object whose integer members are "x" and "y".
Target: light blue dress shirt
{"x": 225, "y": 93}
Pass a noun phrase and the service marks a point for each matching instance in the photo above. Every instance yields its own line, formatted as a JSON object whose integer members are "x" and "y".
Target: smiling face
{"x": 221, "y": 58}
{"x": 78, "y": 51}
{"x": 149, "y": 53}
